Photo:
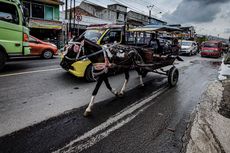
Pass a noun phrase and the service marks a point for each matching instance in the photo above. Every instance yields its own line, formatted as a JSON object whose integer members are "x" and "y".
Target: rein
{"x": 90, "y": 55}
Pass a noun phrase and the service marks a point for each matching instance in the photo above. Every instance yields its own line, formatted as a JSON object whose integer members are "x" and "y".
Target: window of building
{"x": 38, "y": 11}
{"x": 9, "y": 13}
{"x": 49, "y": 15}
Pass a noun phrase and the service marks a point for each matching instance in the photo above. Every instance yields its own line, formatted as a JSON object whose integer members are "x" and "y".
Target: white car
{"x": 188, "y": 47}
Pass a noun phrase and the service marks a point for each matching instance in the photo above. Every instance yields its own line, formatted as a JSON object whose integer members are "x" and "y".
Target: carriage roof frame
{"x": 155, "y": 28}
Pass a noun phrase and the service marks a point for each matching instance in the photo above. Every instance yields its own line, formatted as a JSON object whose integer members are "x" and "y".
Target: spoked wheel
{"x": 88, "y": 74}
{"x": 173, "y": 76}
{"x": 139, "y": 60}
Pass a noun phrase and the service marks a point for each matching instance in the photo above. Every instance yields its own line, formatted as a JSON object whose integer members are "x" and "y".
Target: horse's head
{"x": 79, "y": 49}
{"x": 84, "y": 47}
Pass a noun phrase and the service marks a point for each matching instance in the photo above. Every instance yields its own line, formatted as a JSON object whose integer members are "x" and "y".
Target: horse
{"x": 105, "y": 59}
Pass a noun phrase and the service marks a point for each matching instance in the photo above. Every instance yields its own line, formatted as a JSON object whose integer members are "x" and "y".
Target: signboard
{"x": 78, "y": 17}
{"x": 45, "y": 24}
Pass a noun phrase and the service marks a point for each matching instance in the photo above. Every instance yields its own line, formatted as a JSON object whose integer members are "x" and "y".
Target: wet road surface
{"x": 161, "y": 127}
{"x": 155, "y": 127}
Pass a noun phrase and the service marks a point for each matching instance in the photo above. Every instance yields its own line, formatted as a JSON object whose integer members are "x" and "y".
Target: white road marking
{"x": 28, "y": 72}
{"x": 115, "y": 122}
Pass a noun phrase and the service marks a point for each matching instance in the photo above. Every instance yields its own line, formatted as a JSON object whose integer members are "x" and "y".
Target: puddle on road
{"x": 215, "y": 64}
{"x": 224, "y": 72}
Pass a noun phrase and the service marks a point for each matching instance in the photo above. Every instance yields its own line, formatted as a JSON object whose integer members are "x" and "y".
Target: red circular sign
{"x": 78, "y": 17}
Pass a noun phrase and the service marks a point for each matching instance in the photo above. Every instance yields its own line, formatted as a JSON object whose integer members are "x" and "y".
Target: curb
{"x": 209, "y": 130}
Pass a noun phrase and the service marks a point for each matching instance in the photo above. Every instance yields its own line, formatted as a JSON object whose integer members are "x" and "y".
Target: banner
{"x": 45, "y": 24}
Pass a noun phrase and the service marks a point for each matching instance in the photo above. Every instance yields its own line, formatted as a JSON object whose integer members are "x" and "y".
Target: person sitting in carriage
{"x": 154, "y": 43}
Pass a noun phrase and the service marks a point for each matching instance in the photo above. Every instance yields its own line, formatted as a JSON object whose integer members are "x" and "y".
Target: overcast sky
{"x": 207, "y": 16}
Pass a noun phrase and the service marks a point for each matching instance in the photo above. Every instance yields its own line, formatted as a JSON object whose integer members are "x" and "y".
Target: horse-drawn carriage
{"x": 139, "y": 49}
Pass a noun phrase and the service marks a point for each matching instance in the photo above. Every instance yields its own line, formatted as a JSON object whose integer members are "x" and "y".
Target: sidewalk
{"x": 210, "y": 129}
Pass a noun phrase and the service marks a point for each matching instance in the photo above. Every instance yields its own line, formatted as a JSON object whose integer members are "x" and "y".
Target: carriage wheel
{"x": 173, "y": 75}
{"x": 139, "y": 60}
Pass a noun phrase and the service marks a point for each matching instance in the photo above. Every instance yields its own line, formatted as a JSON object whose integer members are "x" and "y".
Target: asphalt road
{"x": 41, "y": 109}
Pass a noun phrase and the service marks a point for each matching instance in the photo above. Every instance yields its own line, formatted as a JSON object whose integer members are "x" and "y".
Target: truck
{"x": 14, "y": 34}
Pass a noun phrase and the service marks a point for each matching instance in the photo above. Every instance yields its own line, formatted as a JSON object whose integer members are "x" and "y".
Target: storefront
{"x": 45, "y": 30}
{"x": 44, "y": 20}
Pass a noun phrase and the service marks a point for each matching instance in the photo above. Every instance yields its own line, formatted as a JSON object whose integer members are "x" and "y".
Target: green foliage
{"x": 201, "y": 39}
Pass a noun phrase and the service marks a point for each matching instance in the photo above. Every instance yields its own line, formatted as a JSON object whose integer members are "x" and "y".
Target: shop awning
{"x": 45, "y": 24}
{"x": 54, "y": 2}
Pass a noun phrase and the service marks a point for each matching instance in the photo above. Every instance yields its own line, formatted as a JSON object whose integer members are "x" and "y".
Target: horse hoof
{"x": 86, "y": 114}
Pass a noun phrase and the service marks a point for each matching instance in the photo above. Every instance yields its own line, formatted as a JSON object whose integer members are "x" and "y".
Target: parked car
{"x": 188, "y": 47}
{"x": 40, "y": 48}
{"x": 211, "y": 48}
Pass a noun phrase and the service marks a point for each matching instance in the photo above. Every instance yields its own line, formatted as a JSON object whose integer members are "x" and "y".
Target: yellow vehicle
{"x": 100, "y": 34}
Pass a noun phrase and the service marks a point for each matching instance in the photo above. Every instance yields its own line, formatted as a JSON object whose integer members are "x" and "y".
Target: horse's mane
{"x": 91, "y": 45}
{"x": 88, "y": 44}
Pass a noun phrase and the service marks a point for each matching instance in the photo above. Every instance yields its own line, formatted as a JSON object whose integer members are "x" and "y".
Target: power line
{"x": 131, "y": 7}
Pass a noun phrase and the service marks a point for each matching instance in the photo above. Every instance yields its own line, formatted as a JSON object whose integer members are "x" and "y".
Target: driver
{"x": 155, "y": 44}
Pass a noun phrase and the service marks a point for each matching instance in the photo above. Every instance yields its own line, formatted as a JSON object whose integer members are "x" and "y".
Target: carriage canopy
{"x": 155, "y": 28}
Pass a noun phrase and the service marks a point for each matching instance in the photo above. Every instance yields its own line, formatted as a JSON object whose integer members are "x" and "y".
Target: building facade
{"x": 92, "y": 13}
{"x": 139, "y": 19}
{"x": 44, "y": 21}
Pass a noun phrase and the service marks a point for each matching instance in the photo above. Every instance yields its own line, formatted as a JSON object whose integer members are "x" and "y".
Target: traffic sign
{"x": 78, "y": 17}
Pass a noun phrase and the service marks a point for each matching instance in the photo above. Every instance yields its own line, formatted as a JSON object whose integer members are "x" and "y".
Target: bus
{"x": 14, "y": 34}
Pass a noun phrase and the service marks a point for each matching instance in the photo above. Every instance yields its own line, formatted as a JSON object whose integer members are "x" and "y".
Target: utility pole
{"x": 66, "y": 8}
{"x": 74, "y": 18}
{"x": 66, "y": 19}
{"x": 150, "y": 7}
{"x": 70, "y": 18}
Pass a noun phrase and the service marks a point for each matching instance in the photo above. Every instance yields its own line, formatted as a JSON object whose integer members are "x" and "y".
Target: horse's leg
{"x": 89, "y": 108}
{"x": 140, "y": 76}
{"x": 109, "y": 86}
{"x": 125, "y": 83}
